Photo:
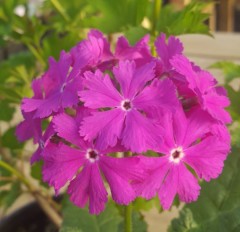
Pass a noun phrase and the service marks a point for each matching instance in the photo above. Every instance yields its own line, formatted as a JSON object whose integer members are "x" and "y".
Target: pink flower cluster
{"x": 100, "y": 105}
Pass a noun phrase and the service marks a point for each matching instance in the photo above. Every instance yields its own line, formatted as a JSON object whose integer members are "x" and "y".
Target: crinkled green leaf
{"x": 230, "y": 69}
{"x": 234, "y": 108}
{"x": 235, "y": 134}
{"x": 67, "y": 16}
{"x": 3, "y": 194}
{"x": 9, "y": 139}
{"x": 134, "y": 34}
{"x": 218, "y": 207}
{"x": 15, "y": 77}
{"x": 6, "y": 112}
{"x": 12, "y": 195}
{"x": 65, "y": 42}
{"x": 189, "y": 20}
{"x": 79, "y": 220}
{"x": 4, "y": 173}
{"x": 114, "y": 16}
{"x": 138, "y": 223}
{"x": 145, "y": 205}
{"x": 36, "y": 173}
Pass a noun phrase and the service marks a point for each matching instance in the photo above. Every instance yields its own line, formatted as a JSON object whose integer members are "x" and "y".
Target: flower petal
{"x": 184, "y": 67}
{"x": 70, "y": 93}
{"x": 67, "y": 128}
{"x": 167, "y": 51}
{"x": 97, "y": 192}
{"x": 197, "y": 125}
{"x": 88, "y": 185}
{"x": 37, "y": 86}
{"x": 133, "y": 80}
{"x": 42, "y": 107}
{"x": 157, "y": 170}
{"x": 57, "y": 73}
{"x": 207, "y": 157}
{"x": 119, "y": 172}
{"x": 93, "y": 50}
{"x": 188, "y": 187}
{"x": 140, "y": 52}
{"x": 29, "y": 128}
{"x": 61, "y": 164}
{"x": 100, "y": 91}
{"x": 106, "y": 126}
{"x": 42, "y": 143}
{"x": 215, "y": 104}
{"x": 140, "y": 133}
{"x": 79, "y": 187}
{"x": 159, "y": 95}
{"x": 178, "y": 180}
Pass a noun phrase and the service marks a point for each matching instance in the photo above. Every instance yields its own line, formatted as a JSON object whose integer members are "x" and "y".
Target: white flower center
{"x": 92, "y": 155}
{"x": 176, "y": 155}
{"x": 126, "y": 105}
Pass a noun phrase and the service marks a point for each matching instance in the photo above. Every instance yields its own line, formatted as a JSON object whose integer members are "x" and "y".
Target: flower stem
{"x": 128, "y": 208}
{"x": 16, "y": 173}
{"x": 155, "y": 16}
{"x": 128, "y": 218}
{"x": 156, "y": 12}
{"x": 46, "y": 207}
{"x": 60, "y": 9}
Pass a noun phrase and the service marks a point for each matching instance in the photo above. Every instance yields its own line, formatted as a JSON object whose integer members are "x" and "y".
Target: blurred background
{"x": 224, "y": 16}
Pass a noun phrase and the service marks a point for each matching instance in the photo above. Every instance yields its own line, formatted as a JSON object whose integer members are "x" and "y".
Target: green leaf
{"x": 15, "y": 77}
{"x": 3, "y": 195}
{"x": 6, "y": 112}
{"x": 234, "y": 108}
{"x": 68, "y": 17}
{"x": 145, "y": 205}
{"x": 138, "y": 223}
{"x": 12, "y": 195}
{"x": 114, "y": 16}
{"x": 79, "y": 220}
{"x": 36, "y": 173}
{"x": 186, "y": 21}
{"x": 65, "y": 42}
{"x": 4, "y": 173}
{"x": 134, "y": 34}
{"x": 9, "y": 139}
{"x": 235, "y": 134}
{"x": 230, "y": 70}
{"x": 218, "y": 207}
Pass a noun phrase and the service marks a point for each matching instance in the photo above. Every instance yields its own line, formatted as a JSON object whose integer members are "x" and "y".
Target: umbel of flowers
{"x": 101, "y": 104}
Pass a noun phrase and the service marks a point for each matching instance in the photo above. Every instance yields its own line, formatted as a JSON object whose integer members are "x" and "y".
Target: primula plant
{"x": 106, "y": 110}
{"x": 122, "y": 121}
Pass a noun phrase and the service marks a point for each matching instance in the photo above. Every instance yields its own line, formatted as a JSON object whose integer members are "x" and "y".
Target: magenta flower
{"x": 92, "y": 52}
{"x": 43, "y": 140}
{"x": 59, "y": 85}
{"x": 140, "y": 52}
{"x": 30, "y": 127}
{"x": 166, "y": 51}
{"x": 169, "y": 174}
{"x": 98, "y": 103}
{"x": 87, "y": 185}
{"x": 126, "y": 118}
{"x": 203, "y": 85}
